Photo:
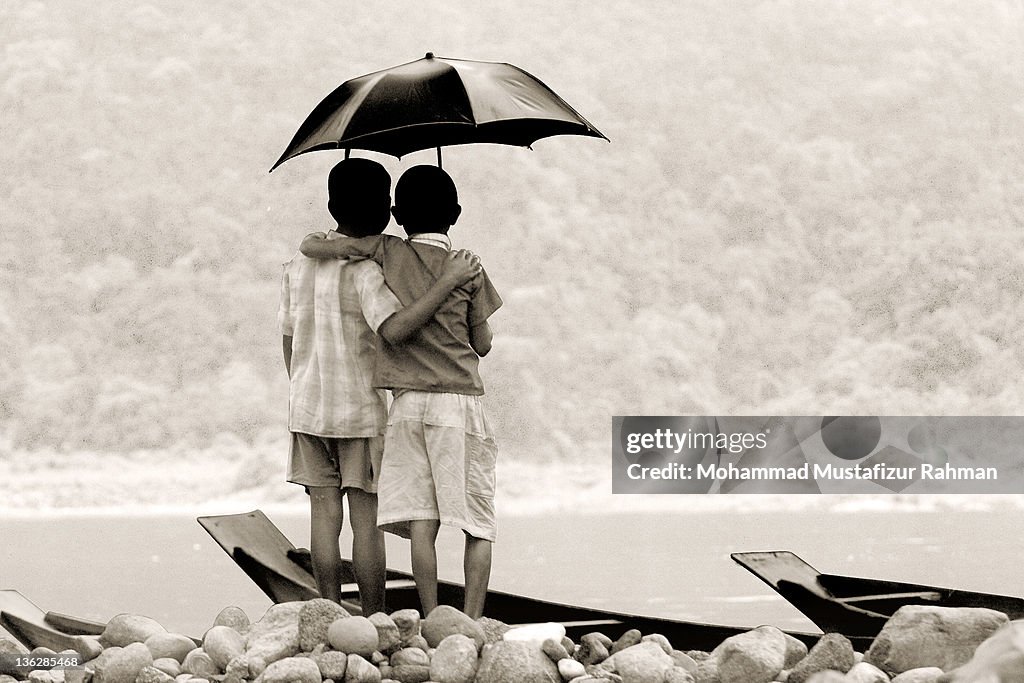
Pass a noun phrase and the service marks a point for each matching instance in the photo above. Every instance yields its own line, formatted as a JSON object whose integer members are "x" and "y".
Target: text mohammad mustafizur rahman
{"x": 875, "y": 472}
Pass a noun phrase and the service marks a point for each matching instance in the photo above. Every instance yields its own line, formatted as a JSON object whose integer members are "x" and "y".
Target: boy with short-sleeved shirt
{"x": 439, "y": 452}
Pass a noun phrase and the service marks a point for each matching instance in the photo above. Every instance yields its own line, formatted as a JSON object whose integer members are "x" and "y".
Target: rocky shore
{"x": 317, "y": 640}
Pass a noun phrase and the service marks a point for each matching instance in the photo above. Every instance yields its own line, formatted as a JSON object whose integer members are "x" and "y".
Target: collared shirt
{"x": 331, "y": 309}
{"x": 439, "y": 357}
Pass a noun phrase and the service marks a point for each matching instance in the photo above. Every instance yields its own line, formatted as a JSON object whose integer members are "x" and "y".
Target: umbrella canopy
{"x": 434, "y": 102}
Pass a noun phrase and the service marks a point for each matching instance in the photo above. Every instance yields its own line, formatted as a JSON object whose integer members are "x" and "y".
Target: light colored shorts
{"x": 342, "y": 463}
{"x": 439, "y": 460}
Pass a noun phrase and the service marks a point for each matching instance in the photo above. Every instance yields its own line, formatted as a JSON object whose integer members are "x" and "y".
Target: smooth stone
{"x": 554, "y": 650}
{"x": 170, "y": 666}
{"x": 42, "y": 676}
{"x": 408, "y": 623}
{"x": 827, "y": 676}
{"x": 151, "y": 674}
{"x": 125, "y": 629}
{"x": 683, "y": 660}
{"x": 678, "y": 674}
{"x": 570, "y": 669}
{"x": 124, "y": 665}
{"x": 353, "y": 635}
{"x": 331, "y": 664}
{"x": 389, "y": 637}
{"x": 378, "y": 658}
{"x": 999, "y": 658}
{"x": 536, "y": 633}
{"x": 42, "y": 652}
{"x": 509, "y": 661}
{"x": 276, "y": 635}
{"x": 172, "y": 645}
{"x": 706, "y": 671}
{"x": 661, "y": 640}
{"x": 832, "y": 651}
{"x": 455, "y": 660}
{"x": 756, "y": 656}
{"x": 358, "y": 670}
{"x": 410, "y": 655}
{"x": 199, "y": 663}
{"x": 592, "y": 649}
{"x": 641, "y": 663}
{"x": 866, "y": 673}
{"x": 9, "y": 646}
{"x": 410, "y": 673}
{"x": 494, "y": 630}
{"x": 922, "y": 635}
{"x": 222, "y": 644}
{"x": 627, "y": 639}
{"x": 444, "y": 620}
{"x": 315, "y": 617}
{"x": 924, "y": 674}
{"x": 292, "y": 670}
{"x": 104, "y": 657}
{"x": 89, "y": 647}
{"x": 233, "y": 617}
{"x": 182, "y": 678}
{"x": 796, "y": 650}
{"x": 418, "y": 642}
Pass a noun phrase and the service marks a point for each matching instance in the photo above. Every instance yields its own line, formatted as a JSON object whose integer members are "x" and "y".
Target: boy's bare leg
{"x": 477, "y": 567}
{"x": 326, "y": 517}
{"x": 369, "y": 557}
{"x": 423, "y": 535}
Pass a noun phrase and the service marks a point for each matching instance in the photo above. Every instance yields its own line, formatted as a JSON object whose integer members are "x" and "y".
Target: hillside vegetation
{"x": 805, "y": 208}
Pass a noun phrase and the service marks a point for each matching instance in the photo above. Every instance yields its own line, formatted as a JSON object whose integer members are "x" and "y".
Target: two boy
{"x": 439, "y": 460}
{"x": 329, "y": 313}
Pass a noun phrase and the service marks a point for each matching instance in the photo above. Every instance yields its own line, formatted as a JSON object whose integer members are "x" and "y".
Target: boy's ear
{"x": 456, "y": 212}
{"x": 397, "y": 213}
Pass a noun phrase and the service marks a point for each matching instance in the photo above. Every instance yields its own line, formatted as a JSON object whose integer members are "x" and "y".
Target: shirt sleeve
{"x": 371, "y": 247}
{"x": 377, "y": 301}
{"x": 285, "y": 320}
{"x": 484, "y": 301}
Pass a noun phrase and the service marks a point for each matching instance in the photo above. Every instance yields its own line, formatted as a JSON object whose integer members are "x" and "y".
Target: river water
{"x": 668, "y": 564}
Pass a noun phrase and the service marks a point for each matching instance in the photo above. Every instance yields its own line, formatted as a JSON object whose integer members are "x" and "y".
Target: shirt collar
{"x": 437, "y": 239}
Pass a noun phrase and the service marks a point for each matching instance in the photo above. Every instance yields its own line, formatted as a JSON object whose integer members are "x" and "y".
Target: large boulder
{"x": 315, "y": 618}
{"x": 923, "y": 635}
{"x": 494, "y": 630}
{"x": 454, "y": 660}
{"x": 1000, "y": 659}
{"x": 831, "y": 652}
{"x": 444, "y": 620}
{"x": 509, "y": 661}
{"x": 125, "y": 629}
{"x": 756, "y": 656}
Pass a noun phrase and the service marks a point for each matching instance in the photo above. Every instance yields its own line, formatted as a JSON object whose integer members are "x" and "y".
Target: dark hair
{"x": 427, "y": 199}
{"x": 360, "y": 196}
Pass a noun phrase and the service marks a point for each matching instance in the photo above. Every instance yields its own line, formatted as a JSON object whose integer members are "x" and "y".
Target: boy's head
{"x": 426, "y": 200}
{"x": 359, "y": 193}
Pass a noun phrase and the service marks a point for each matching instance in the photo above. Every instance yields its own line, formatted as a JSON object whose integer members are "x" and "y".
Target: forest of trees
{"x": 804, "y": 209}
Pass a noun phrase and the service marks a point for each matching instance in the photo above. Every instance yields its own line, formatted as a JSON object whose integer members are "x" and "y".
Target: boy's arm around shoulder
{"x": 484, "y": 302}
{"x": 317, "y": 245}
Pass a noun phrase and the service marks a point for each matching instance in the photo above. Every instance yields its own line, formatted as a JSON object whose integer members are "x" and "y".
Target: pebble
{"x": 660, "y": 640}
{"x": 292, "y": 670}
{"x": 554, "y": 650}
{"x": 444, "y": 620}
{"x": 627, "y": 639}
{"x": 410, "y": 673}
{"x": 199, "y": 663}
{"x": 170, "y": 666}
{"x": 275, "y": 636}
{"x": 315, "y": 618}
{"x": 454, "y": 661}
{"x": 123, "y": 665}
{"x": 151, "y": 674}
{"x": 536, "y": 633}
{"x": 642, "y": 662}
{"x": 592, "y": 649}
{"x": 358, "y": 670}
{"x": 999, "y": 658}
{"x": 756, "y": 656}
{"x": 331, "y": 664}
{"x": 173, "y": 645}
{"x": 234, "y": 617}
{"x": 125, "y": 629}
{"x": 410, "y": 655}
{"x": 509, "y": 661}
{"x": 570, "y": 669}
{"x": 832, "y": 651}
{"x": 494, "y": 630}
{"x": 925, "y": 674}
{"x": 353, "y": 635}
{"x": 222, "y": 644}
{"x": 866, "y": 673}
{"x": 408, "y": 623}
{"x": 389, "y": 637}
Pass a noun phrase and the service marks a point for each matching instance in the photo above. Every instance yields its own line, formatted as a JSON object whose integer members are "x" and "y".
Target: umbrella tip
{"x": 429, "y": 55}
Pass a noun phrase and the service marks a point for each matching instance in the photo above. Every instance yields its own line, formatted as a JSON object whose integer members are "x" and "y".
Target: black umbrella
{"x": 434, "y": 102}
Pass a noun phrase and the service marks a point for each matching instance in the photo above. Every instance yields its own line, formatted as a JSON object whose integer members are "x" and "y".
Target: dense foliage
{"x": 805, "y": 208}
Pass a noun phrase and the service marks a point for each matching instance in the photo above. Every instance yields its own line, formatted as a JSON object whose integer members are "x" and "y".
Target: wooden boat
{"x": 855, "y": 606}
{"x": 282, "y": 572}
{"x": 27, "y": 623}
